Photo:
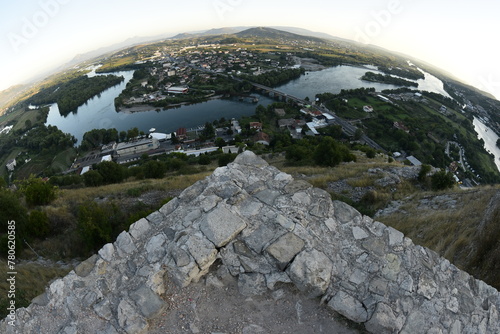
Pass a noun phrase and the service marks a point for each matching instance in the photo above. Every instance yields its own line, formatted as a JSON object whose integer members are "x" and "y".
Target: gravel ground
{"x": 214, "y": 305}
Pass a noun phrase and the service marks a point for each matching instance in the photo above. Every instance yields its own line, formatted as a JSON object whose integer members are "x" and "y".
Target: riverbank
{"x": 141, "y": 107}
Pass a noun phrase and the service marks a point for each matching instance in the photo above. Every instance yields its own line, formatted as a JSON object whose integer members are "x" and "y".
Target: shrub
{"x": 37, "y": 191}
{"x": 38, "y": 224}
{"x": 92, "y": 179}
{"x": 442, "y": 180}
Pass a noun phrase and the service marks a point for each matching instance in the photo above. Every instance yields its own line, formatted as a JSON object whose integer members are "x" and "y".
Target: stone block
{"x": 251, "y": 159}
{"x": 155, "y": 248}
{"x": 311, "y": 272}
{"x": 107, "y": 252}
{"x": 138, "y": 229}
{"x": 85, "y": 267}
{"x": 349, "y": 307}
{"x": 252, "y": 284}
{"x": 124, "y": 244}
{"x": 383, "y": 320}
{"x": 221, "y": 225}
{"x": 285, "y": 249}
{"x": 129, "y": 319}
{"x": 202, "y": 250}
{"x": 148, "y": 302}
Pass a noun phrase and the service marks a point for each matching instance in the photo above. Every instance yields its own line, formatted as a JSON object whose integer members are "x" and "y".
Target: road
{"x": 347, "y": 127}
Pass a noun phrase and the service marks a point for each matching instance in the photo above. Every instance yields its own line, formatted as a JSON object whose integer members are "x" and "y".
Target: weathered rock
{"x": 147, "y": 301}
{"x": 155, "y": 248}
{"x": 252, "y": 284}
{"x": 85, "y": 267}
{"x": 383, "y": 320}
{"x": 221, "y": 225}
{"x": 124, "y": 244}
{"x": 285, "y": 249}
{"x": 265, "y": 228}
{"x": 140, "y": 228}
{"x": 107, "y": 252}
{"x": 202, "y": 250}
{"x": 263, "y": 236}
{"x": 311, "y": 272}
{"x": 349, "y": 307}
{"x": 129, "y": 319}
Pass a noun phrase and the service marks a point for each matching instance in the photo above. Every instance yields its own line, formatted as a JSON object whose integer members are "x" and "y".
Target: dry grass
{"x": 172, "y": 182}
{"x": 453, "y": 233}
{"x": 31, "y": 281}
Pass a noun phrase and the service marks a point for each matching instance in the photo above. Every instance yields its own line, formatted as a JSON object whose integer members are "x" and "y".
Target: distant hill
{"x": 7, "y": 95}
{"x": 270, "y": 33}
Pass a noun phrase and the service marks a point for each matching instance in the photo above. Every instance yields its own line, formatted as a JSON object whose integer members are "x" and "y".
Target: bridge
{"x": 347, "y": 127}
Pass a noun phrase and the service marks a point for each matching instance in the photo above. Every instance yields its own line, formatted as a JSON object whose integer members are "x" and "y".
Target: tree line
{"x": 387, "y": 79}
{"x": 74, "y": 93}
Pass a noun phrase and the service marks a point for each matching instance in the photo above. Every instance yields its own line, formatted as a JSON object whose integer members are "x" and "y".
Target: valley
{"x": 210, "y": 96}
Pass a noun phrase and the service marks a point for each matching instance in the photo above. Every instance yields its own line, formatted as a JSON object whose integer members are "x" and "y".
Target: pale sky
{"x": 458, "y": 36}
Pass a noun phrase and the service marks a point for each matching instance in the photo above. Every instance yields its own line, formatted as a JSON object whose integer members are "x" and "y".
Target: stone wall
{"x": 265, "y": 228}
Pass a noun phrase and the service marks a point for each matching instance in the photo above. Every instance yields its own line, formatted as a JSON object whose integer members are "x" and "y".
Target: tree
{"x": 358, "y": 134}
{"x": 92, "y": 179}
{"x": 93, "y": 225}
{"x": 154, "y": 169}
{"x": 37, "y": 191}
{"x": 442, "y": 180}
{"x": 123, "y": 136}
{"x": 11, "y": 210}
{"x": 226, "y": 158}
{"x": 132, "y": 133}
{"x": 371, "y": 153}
{"x": 208, "y": 132}
{"x": 111, "y": 172}
{"x": 330, "y": 153}
{"x": 424, "y": 170}
{"x": 219, "y": 142}
{"x": 204, "y": 159}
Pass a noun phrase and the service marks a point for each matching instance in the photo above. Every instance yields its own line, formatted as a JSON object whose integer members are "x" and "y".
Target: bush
{"x": 93, "y": 179}
{"x": 370, "y": 153}
{"x": 154, "y": 169}
{"x": 204, "y": 159}
{"x": 442, "y": 180}
{"x": 226, "y": 158}
{"x": 111, "y": 172}
{"x": 37, "y": 191}
{"x": 38, "y": 224}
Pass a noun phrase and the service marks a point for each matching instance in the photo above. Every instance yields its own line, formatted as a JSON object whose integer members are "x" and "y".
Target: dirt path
{"x": 215, "y": 306}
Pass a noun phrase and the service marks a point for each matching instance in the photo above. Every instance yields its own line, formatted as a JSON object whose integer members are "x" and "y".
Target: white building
{"x": 137, "y": 146}
{"x": 11, "y": 164}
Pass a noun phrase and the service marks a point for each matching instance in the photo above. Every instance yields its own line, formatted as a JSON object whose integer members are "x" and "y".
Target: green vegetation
{"x": 75, "y": 93}
{"x": 275, "y": 78}
{"x": 387, "y": 79}
{"x": 409, "y": 72}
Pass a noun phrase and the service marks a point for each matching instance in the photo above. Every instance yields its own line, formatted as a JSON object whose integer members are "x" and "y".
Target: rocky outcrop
{"x": 265, "y": 228}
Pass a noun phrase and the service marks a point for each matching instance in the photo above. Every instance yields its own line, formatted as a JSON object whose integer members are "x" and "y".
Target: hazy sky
{"x": 456, "y": 35}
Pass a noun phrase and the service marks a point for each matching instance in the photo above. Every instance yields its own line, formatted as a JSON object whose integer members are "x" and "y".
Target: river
{"x": 99, "y": 112}
{"x": 490, "y": 139}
